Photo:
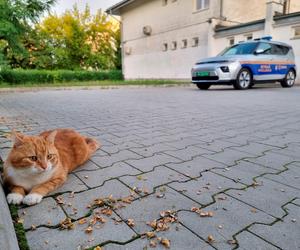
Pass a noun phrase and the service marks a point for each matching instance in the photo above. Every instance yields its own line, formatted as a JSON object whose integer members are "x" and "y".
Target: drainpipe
{"x": 221, "y": 9}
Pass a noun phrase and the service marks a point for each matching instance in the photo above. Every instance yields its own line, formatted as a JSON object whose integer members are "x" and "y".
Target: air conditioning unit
{"x": 147, "y": 30}
{"x": 128, "y": 50}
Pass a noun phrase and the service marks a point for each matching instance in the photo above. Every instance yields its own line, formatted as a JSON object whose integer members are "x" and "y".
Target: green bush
{"x": 20, "y": 76}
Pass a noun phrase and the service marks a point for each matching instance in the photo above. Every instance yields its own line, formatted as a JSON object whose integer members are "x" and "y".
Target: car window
{"x": 240, "y": 49}
{"x": 266, "y": 47}
{"x": 279, "y": 50}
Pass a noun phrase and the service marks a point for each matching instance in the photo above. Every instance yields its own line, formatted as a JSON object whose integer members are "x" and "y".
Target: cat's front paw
{"x": 14, "y": 198}
{"x": 32, "y": 199}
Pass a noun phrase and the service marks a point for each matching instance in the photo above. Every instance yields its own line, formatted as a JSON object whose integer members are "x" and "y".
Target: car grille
{"x": 203, "y": 78}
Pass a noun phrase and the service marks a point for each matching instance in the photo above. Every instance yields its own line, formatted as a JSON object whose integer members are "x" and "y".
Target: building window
{"x": 231, "y": 41}
{"x": 249, "y": 37}
{"x": 184, "y": 43}
{"x": 174, "y": 45}
{"x": 164, "y": 2}
{"x": 195, "y": 42}
{"x": 165, "y": 47}
{"x": 202, "y": 4}
{"x": 297, "y": 32}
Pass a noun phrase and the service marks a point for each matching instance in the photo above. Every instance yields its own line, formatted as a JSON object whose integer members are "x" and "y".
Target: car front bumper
{"x": 214, "y": 73}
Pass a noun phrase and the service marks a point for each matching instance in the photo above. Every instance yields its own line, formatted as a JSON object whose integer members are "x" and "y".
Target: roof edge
{"x": 115, "y": 9}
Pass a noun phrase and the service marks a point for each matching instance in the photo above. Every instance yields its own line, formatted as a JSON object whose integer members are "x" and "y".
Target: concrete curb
{"x": 30, "y": 89}
{"x": 8, "y": 238}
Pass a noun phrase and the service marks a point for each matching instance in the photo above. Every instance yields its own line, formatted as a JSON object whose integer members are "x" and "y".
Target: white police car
{"x": 247, "y": 63}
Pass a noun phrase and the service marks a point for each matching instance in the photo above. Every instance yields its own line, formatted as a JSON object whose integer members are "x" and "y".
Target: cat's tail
{"x": 93, "y": 144}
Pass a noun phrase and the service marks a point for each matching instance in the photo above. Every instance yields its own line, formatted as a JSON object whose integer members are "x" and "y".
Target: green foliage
{"x": 19, "y": 229}
{"x": 16, "y": 16}
{"x": 19, "y": 76}
{"x": 77, "y": 40}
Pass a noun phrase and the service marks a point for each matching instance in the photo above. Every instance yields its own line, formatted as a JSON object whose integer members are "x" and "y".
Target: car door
{"x": 281, "y": 61}
{"x": 262, "y": 66}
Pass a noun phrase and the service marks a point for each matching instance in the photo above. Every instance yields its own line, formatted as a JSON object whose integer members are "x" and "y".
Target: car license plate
{"x": 203, "y": 73}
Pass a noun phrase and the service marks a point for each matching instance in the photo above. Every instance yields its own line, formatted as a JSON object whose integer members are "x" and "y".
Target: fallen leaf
{"x": 165, "y": 242}
{"x": 88, "y": 230}
{"x": 153, "y": 243}
{"x": 150, "y": 235}
{"x": 20, "y": 220}
{"x": 253, "y": 210}
{"x": 130, "y": 222}
{"x": 106, "y": 211}
{"x": 66, "y": 224}
{"x": 82, "y": 221}
{"x": 97, "y": 248}
{"x": 33, "y": 227}
{"x": 210, "y": 238}
{"x": 232, "y": 242}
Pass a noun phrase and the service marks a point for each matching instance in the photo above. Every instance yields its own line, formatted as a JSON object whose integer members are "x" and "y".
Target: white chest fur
{"x": 27, "y": 178}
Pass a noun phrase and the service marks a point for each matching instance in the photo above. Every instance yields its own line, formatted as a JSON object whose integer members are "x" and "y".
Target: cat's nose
{"x": 43, "y": 165}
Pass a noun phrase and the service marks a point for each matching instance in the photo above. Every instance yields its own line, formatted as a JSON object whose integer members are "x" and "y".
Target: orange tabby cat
{"x": 37, "y": 165}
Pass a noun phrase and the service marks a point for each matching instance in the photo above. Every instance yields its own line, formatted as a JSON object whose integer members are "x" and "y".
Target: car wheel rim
{"x": 244, "y": 79}
{"x": 290, "y": 79}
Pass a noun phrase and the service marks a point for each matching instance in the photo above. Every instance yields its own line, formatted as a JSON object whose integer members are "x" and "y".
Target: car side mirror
{"x": 259, "y": 51}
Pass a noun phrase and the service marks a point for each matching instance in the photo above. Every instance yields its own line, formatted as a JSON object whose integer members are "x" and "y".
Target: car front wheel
{"x": 243, "y": 80}
{"x": 289, "y": 79}
{"x": 203, "y": 86}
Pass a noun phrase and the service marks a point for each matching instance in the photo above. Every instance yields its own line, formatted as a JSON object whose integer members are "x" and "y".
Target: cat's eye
{"x": 33, "y": 158}
{"x": 49, "y": 156}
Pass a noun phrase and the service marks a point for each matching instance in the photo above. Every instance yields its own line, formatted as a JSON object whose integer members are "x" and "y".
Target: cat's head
{"x": 34, "y": 153}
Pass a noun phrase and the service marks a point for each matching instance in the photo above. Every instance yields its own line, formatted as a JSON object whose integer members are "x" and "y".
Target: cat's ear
{"x": 17, "y": 138}
{"x": 51, "y": 137}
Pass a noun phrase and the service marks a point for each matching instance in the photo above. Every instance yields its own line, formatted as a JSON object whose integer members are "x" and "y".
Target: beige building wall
{"x": 144, "y": 56}
{"x": 242, "y": 11}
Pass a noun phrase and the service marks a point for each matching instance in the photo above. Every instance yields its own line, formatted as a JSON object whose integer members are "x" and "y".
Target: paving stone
{"x": 283, "y": 140}
{"x": 180, "y": 238}
{"x": 80, "y": 201}
{"x": 98, "y": 177}
{"x": 217, "y": 145}
{"x": 284, "y": 233}
{"x": 151, "y": 150}
{"x": 248, "y": 240}
{"x": 188, "y": 153}
{"x": 45, "y": 213}
{"x": 183, "y": 143}
{"x": 73, "y": 184}
{"x": 268, "y": 197}
{"x": 255, "y": 149}
{"x": 119, "y": 147}
{"x": 272, "y": 160}
{"x": 48, "y": 239}
{"x": 244, "y": 172}
{"x": 297, "y": 202}
{"x": 89, "y": 165}
{"x": 292, "y": 150}
{"x": 226, "y": 217}
{"x": 203, "y": 188}
{"x": 148, "y": 208}
{"x": 291, "y": 177}
{"x": 148, "y": 163}
{"x": 228, "y": 156}
{"x": 107, "y": 161}
{"x": 148, "y": 181}
{"x": 194, "y": 167}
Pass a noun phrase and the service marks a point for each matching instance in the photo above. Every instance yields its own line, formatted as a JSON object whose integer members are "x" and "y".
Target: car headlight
{"x": 225, "y": 69}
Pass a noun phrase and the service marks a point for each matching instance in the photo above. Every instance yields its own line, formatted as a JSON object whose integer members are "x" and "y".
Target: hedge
{"x": 20, "y": 76}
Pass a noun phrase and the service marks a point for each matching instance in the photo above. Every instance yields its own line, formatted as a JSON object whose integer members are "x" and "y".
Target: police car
{"x": 244, "y": 64}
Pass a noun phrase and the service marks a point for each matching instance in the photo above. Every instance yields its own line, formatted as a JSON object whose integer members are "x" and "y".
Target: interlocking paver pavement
{"x": 233, "y": 153}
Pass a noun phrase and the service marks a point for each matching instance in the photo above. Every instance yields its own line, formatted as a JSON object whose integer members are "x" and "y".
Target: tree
{"x": 16, "y": 17}
{"x": 78, "y": 40}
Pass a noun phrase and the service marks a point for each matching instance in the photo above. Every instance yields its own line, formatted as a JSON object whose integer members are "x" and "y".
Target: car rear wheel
{"x": 243, "y": 80}
{"x": 203, "y": 86}
{"x": 289, "y": 79}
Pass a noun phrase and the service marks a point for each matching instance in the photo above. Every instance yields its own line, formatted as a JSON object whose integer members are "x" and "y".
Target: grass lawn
{"x": 104, "y": 83}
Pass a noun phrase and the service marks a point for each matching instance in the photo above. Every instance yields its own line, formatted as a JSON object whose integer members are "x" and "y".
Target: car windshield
{"x": 240, "y": 49}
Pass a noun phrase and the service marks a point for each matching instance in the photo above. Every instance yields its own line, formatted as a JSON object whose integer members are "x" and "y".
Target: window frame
{"x": 196, "y": 9}
{"x": 295, "y": 30}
